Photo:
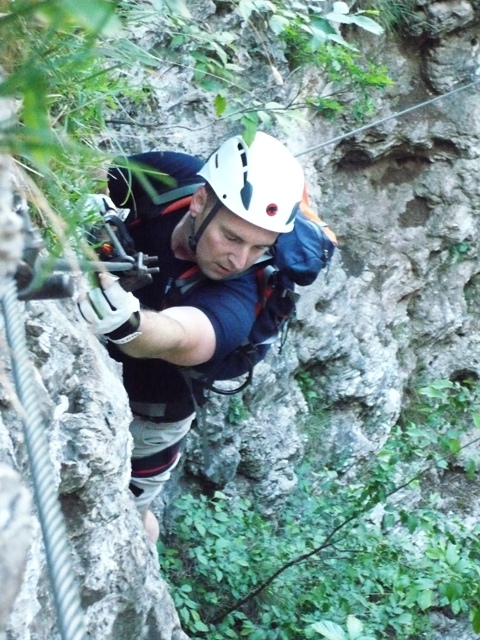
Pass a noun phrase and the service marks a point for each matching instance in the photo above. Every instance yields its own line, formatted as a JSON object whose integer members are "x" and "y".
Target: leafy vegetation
{"x": 71, "y": 67}
{"x": 395, "y": 16}
{"x": 369, "y": 555}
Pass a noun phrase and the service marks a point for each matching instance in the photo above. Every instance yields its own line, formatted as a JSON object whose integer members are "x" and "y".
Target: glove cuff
{"x": 127, "y": 331}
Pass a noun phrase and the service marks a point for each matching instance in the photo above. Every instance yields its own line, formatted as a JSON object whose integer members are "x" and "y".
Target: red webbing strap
{"x": 178, "y": 204}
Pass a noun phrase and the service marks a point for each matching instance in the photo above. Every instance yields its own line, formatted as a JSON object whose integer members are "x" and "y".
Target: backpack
{"x": 296, "y": 259}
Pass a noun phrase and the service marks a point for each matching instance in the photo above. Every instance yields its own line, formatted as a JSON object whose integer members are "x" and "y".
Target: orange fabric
{"x": 307, "y": 211}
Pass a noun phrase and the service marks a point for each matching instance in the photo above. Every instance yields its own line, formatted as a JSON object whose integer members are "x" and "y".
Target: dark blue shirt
{"x": 229, "y": 304}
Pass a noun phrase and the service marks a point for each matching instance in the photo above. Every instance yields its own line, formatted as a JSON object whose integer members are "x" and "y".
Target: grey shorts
{"x": 155, "y": 454}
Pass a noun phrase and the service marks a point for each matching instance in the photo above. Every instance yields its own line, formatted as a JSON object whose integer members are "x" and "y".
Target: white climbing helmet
{"x": 262, "y": 184}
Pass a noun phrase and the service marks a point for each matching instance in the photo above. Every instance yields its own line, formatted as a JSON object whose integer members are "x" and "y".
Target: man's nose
{"x": 239, "y": 257}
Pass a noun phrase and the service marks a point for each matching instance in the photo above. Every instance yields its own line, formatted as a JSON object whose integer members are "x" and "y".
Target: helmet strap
{"x": 194, "y": 238}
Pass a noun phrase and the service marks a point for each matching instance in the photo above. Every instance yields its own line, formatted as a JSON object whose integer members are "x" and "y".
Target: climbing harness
{"x": 58, "y": 555}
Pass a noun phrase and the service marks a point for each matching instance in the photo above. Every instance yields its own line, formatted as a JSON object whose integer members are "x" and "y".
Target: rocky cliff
{"x": 398, "y": 305}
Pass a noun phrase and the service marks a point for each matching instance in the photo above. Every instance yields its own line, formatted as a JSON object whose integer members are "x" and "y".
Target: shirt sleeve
{"x": 230, "y": 306}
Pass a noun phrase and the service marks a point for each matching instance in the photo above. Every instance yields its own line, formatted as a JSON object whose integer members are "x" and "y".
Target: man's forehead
{"x": 243, "y": 228}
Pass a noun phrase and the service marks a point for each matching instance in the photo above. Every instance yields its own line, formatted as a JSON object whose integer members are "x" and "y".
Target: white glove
{"x": 112, "y": 312}
{"x": 98, "y": 203}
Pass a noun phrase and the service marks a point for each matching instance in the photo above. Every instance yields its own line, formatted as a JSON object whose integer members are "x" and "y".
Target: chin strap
{"x": 194, "y": 238}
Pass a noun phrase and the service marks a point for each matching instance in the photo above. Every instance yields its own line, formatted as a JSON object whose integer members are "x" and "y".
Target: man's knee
{"x": 151, "y": 525}
{"x": 149, "y": 475}
{"x": 145, "y": 491}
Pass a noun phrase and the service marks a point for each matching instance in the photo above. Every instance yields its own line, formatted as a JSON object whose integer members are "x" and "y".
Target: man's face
{"x": 229, "y": 244}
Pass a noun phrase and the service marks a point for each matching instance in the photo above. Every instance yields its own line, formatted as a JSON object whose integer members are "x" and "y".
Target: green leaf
{"x": 278, "y": 24}
{"x": 242, "y": 562}
{"x": 94, "y": 15}
{"x": 35, "y": 101}
{"x": 456, "y": 606}
{"x": 433, "y": 390}
{"x": 200, "y": 528}
{"x": 319, "y": 36}
{"x": 201, "y": 558}
{"x": 179, "y": 7}
{"x": 341, "y": 7}
{"x": 220, "y": 104}
{"x": 336, "y": 37}
{"x": 200, "y": 626}
{"x": 470, "y": 468}
{"x": 249, "y": 129}
{"x": 339, "y": 17}
{"x": 453, "y": 591}
{"x": 476, "y": 621}
{"x": 320, "y": 24}
{"x": 354, "y": 627}
{"x": 329, "y": 630}
{"x": 425, "y": 599}
{"x": 245, "y": 8}
{"x": 476, "y": 419}
{"x": 368, "y": 24}
{"x": 451, "y": 555}
{"x": 404, "y": 618}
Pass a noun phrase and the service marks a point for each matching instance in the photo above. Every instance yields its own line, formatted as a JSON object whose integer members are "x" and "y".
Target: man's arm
{"x": 181, "y": 335}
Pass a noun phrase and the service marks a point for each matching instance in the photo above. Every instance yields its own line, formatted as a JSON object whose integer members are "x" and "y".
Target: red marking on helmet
{"x": 272, "y": 209}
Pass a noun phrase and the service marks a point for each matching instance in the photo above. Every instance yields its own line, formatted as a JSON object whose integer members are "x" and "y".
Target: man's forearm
{"x": 181, "y": 335}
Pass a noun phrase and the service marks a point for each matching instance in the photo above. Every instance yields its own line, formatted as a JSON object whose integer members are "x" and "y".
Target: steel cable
{"x": 65, "y": 589}
{"x": 397, "y": 114}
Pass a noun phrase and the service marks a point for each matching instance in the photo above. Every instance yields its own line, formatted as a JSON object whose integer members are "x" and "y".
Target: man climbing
{"x": 246, "y": 197}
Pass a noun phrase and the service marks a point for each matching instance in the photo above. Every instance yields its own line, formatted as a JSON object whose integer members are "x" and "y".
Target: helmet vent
{"x": 243, "y": 155}
{"x": 246, "y": 194}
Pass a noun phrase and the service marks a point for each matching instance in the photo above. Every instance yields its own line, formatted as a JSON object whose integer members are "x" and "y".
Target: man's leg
{"x": 155, "y": 454}
{"x": 151, "y": 525}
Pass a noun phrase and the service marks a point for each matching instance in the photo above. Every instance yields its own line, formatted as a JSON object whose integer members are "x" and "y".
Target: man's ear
{"x": 199, "y": 201}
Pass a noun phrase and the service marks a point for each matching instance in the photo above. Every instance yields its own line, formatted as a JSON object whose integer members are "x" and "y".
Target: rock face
{"x": 15, "y": 537}
{"x": 86, "y": 416}
{"x": 399, "y": 304}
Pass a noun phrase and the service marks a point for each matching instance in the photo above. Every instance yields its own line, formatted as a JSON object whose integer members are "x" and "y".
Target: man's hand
{"x": 99, "y": 203}
{"x": 112, "y": 311}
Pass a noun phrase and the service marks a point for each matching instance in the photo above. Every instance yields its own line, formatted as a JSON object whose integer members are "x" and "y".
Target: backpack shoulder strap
{"x": 177, "y": 199}
{"x": 176, "y": 194}
{"x": 189, "y": 279}
{"x": 193, "y": 276}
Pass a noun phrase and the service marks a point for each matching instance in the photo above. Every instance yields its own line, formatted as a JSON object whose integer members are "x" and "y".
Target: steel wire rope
{"x": 65, "y": 589}
{"x": 397, "y": 114}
